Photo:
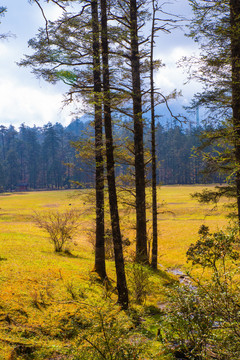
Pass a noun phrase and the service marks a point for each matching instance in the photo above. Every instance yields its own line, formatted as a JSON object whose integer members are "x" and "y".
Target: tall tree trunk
{"x": 100, "y": 267}
{"x": 235, "y": 54}
{"x": 113, "y": 203}
{"x": 141, "y": 236}
{"x": 153, "y": 141}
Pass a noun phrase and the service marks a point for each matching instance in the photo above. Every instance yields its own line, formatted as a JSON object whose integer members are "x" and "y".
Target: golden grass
{"x": 180, "y": 219}
{"x": 31, "y": 274}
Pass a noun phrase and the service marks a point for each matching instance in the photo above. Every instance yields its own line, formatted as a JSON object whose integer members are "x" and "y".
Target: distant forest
{"x": 45, "y": 158}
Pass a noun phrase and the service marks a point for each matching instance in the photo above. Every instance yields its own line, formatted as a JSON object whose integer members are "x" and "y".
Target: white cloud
{"x": 52, "y": 12}
{"x": 31, "y": 105}
{"x": 25, "y": 98}
{"x": 171, "y": 76}
{"x": 4, "y": 49}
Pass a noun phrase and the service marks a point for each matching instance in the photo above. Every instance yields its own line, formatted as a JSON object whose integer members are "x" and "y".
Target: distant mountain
{"x": 78, "y": 125}
{"x": 180, "y": 115}
{"x": 163, "y": 116}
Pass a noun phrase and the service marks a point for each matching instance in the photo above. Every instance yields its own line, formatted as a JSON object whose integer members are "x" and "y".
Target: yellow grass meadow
{"x": 32, "y": 276}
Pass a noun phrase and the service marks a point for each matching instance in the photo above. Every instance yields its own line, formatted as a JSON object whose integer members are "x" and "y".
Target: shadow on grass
{"x": 64, "y": 254}
{"x": 14, "y": 193}
{"x": 68, "y": 254}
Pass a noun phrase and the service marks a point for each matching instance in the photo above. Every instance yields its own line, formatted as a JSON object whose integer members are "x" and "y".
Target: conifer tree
{"x": 130, "y": 15}
{"x": 141, "y": 235}
{"x": 100, "y": 267}
{"x": 216, "y": 27}
{"x": 112, "y": 192}
{"x": 68, "y": 50}
{"x": 153, "y": 143}
{"x": 62, "y": 67}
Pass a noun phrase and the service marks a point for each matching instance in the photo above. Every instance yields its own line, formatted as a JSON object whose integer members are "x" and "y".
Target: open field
{"x": 41, "y": 290}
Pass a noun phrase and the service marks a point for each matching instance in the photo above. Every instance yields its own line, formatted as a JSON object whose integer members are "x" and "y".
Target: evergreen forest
{"x": 45, "y": 157}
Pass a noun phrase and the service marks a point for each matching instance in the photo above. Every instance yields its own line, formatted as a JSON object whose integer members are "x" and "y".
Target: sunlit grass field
{"x": 33, "y": 276}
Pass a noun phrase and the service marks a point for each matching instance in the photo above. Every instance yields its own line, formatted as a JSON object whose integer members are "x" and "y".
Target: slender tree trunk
{"x": 153, "y": 141}
{"x": 235, "y": 53}
{"x": 113, "y": 203}
{"x": 100, "y": 267}
{"x": 141, "y": 236}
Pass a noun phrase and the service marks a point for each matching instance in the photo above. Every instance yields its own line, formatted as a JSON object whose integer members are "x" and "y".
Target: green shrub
{"x": 203, "y": 320}
{"x": 112, "y": 337}
{"x": 139, "y": 282}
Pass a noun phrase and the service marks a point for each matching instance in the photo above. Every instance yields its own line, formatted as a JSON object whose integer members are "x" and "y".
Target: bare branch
{"x": 44, "y": 16}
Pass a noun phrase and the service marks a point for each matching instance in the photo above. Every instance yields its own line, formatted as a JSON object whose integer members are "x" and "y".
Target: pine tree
{"x": 153, "y": 144}
{"x": 112, "y": 192}
{"x": 100, "y": 267}
{"x": 69, "y": 51}
{"x": 130, "y": 16}
{"x": 216, "y": 27}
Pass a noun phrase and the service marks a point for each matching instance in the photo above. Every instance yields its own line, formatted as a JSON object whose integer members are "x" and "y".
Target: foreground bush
{"x": 203, "y": 320}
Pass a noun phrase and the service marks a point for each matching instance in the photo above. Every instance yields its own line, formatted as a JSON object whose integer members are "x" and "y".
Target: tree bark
{"x": 235, "y": 59}
{"x": 113, "y": 203}
{"x": 100, "y": 266}
{"x": 141, "y": 235}
{"x": 153, "y": 141}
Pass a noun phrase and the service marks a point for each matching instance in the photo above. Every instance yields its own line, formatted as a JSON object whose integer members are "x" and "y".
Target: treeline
{"x": 37, "y": 157}
{"x": 178, "y": 162}
{"x": 44, "y": 158}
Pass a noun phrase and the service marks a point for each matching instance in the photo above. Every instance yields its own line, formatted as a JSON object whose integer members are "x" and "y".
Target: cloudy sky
{"x": 25, "y": 99}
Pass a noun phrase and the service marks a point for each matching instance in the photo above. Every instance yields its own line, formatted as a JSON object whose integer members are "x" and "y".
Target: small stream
{"x": 185, "y": 280}
{"x": 182, "y": 277}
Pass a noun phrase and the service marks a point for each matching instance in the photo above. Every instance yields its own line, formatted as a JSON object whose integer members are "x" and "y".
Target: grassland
{"x": 41, "y": 290}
